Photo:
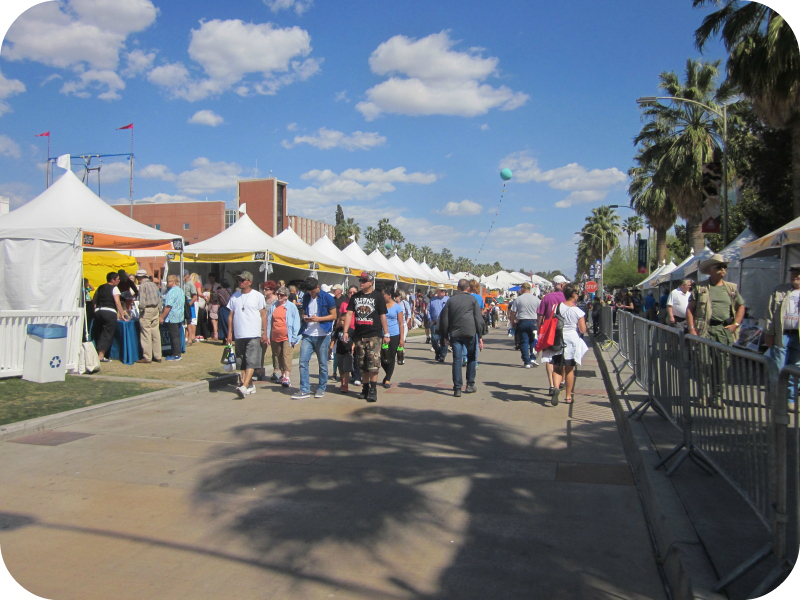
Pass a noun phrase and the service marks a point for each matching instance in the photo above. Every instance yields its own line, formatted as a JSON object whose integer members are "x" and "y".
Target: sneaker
{"x": 561, "y": 386}
{"x": 534, "y": 363}
{"x": 372, "y": 395}
{"x": 527, "y": 366}
{"x": 251, "y": 389}
{"x": 356, "y": 382}
{"x": 364, "y": 392}
{"x": 242, "y": 391}
{"x": 276, "y": 377}
{"x": 427, "y": 340}
{"x": 285, "y": 382}
{"x": 344, "y": 388}
{"x": 470, "y": 389}
{"x": 319, "y": 394}
{"x": 433, "y": 349}
{"x": 551, "y": 391}
{"x": 165, "y": 358}
{"x": 464, "y": 362}
{"x": 301, "y": 396}
{"x": 457, "y": 392}
{"x": 104, "y": 359}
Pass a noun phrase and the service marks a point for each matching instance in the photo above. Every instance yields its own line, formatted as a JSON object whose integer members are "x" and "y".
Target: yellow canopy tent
{"x": 98, "y": 264}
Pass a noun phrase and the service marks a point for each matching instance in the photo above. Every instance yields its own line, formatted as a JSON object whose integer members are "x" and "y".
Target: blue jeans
{"x": 464, "y": 346}
{"x": 436, "y": 340}
{"x": 526, "y": 329}
{"x": 314, "y": 344}
{"x": 777, "y": 358}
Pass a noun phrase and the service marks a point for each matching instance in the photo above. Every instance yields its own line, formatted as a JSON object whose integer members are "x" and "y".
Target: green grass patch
{"x": 22, "y": 400}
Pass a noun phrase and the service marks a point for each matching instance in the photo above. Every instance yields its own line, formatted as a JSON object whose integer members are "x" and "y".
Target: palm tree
{"x": 425, "y": 254}
{"x": 764, "y": 63}
{"x": 651, "y": 201}
{"x": 681, "y": 137}
{"x": 631, "y": 225}
{"x": 407, "y": 251}
{"x": 601, "y": 232}
{"x": 344, "y": 231}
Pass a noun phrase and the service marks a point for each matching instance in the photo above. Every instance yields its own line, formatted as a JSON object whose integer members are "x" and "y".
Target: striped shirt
{"x": 148, "y": 295}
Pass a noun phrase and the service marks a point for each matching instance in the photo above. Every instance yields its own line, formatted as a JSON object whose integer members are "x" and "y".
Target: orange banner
{"x": 114, "y": 242}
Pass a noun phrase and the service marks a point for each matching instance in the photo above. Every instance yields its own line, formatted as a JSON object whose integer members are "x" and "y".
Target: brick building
{"x": 195, "y": 221}
{"x": 266, "y": 203}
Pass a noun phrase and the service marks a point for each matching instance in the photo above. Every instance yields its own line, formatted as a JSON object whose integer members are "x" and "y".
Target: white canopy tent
{"x": 400, "y": 267}
{"x": 325, "y": 246}
{"x": 650, "y": 280}
{"x": 355, "y": 252}
{"x": 327, "y": 263}
{"x": 756, "y": 276}
{"x": 423, "y": 277}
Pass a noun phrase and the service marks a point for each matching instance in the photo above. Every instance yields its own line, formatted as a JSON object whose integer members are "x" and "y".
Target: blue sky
{"x": 406, "y": 110}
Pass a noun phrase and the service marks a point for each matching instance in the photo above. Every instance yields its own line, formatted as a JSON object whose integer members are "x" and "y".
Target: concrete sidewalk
{"x": 421, "y": 496}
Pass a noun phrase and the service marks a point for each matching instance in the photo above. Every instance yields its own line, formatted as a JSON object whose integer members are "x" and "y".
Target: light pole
{"x": 648, "y": 232}
{"x": 602, "y": 239}
{"x": 724, "y": 116}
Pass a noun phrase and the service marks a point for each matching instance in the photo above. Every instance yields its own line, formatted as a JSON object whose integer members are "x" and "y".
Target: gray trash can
{"x": 45, "y": 353}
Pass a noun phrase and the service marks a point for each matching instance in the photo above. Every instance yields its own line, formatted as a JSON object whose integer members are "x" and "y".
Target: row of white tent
{"x": 245, "y": 242}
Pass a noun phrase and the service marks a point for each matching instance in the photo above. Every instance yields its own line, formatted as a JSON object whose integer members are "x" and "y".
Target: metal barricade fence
{"x": 607, "y": 323}
{"x": 626, "y": 340}
{"x": 787, "y": 505}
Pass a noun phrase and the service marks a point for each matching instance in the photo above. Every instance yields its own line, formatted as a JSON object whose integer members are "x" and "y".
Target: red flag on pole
{"x": 126, "y": 127}
{"x": 45, "y": 134}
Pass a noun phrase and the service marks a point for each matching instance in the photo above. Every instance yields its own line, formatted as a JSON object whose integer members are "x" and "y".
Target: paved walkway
{"x": 494, "y": 495}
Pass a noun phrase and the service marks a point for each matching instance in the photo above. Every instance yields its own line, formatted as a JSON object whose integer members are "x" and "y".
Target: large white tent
{"x": 422, "y": 276}
{"x": 323, "y": 262}
{"x": 354, "y": 251}
{"x": 399, "y": 266}
{"x": 325, "y": 246}
{"x": 756, "y": 276}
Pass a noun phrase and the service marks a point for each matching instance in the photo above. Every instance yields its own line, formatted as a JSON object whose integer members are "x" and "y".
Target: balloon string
{"x": 497, "y": 211}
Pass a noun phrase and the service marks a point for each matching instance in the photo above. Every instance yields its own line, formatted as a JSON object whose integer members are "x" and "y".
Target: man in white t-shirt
{"x": 247, "y": 324}
{"x": 677, "y": 302}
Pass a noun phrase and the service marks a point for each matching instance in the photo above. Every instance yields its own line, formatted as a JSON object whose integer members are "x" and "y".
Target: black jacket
{"x": 461, "y": 317}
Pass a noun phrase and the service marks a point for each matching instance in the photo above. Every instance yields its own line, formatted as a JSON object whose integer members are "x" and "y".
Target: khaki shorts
{"x": 368, "y": 354}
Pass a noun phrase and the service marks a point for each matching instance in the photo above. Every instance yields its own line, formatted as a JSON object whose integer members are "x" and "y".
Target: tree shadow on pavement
{"x": 426, "y": 504}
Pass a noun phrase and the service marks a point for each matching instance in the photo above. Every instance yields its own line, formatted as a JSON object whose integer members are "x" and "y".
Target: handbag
{"x": 88, "y": 361}
{"x": 552, "y": 332}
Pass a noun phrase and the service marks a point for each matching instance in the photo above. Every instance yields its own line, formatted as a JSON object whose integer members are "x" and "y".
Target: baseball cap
{"x": 794, "y": 267}
{"x": 245, "y": 275}
{"x": 560, "y": 279}
{"x": 366, "y": 275}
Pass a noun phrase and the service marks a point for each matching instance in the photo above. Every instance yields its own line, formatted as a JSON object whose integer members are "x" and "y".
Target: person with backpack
{"x": 568, "y": 348}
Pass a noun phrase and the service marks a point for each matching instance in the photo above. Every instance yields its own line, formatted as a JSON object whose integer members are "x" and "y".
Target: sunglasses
{"x": 284, "y": 295}
{"x": 720, "y": 267}
{"x": 364, "y": 280}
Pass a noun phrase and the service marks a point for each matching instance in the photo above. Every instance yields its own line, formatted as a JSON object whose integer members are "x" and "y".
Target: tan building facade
{"x": 309, "y": 230}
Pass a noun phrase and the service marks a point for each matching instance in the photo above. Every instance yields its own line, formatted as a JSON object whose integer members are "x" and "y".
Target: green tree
{"x": 378, "y": 236}
{"x": 425, "y": 254}
{"x": 680, "y": 137}
{"x": 407, "y": 251}
{"x": 631, "y": 225}
{"x": 601, "y": 233}
{"x": 651, "y": 201}
{"x": 344, "y": 231}
{"x": 764, "y": 63}
{"x": 339, "y": 214}
{"x": 622, "y": 269}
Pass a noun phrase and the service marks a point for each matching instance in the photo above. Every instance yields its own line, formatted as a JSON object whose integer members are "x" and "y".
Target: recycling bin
{"x": 45, "y": 353}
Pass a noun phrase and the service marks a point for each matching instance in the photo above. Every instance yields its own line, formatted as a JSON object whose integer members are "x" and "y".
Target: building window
{"x": 279, "y": 208}
{"x": 230, "y": 217}
{"x": 185, "y": 226}
{"x": 157, "y": 226}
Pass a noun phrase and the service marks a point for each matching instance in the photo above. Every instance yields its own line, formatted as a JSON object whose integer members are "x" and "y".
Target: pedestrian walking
{"x": 318, "y": 315}
{"x": 523, "y": 316}
{"x": 460, "y": 324}
{"x": 366, "y": 311}
{"x": 283, "y": 334}
{"x": 395, "y": 314}
{"x": 149, "y": 322}
{"x": 435, "y": 307}
{"x": 570, "y": 351}
{"x": 247, "y": 324}
{"x": 545, "y": 311}
{"x": 677, "y": 303}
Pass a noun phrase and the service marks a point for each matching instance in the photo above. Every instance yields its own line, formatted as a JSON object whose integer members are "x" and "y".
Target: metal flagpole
{"x": 130, "y": 184}
{"x": 47, "y": 169}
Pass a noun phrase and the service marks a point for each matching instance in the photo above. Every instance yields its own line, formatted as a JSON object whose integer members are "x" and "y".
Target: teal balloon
{"x": 505, "y": 174}
{"x": 388, "y": 245}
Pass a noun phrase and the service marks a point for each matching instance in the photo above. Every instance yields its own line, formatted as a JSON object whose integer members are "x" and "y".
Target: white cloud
{"x": 113, "y": 172}
{"x": 229, "y": 51}
{"x": 299, "y": 6}
{"x": 396, "y": 175}
{"x": 138, "y": 62}
{"x": 422, "y": 232}
{"x": 325, "y": 139}
{"x": 209, "y": 177}
{"x": 9, "y": 147}
{"x": 156, "y": 172}
{"x": 465, "y": 207}
{"x": 484, "y": 127}
{"x": 341, "y": 96}
{"x": 84, "y": 36}
{"x": 206, "y": 117}
{"x": 585, "y": 185}
{"x": 19, "y": 193}
{"x": 438, "y": 80}
{"x": 8, "y": 87}
{"x": 522, "y": 235}
{"x": 161, "y": 198}
{"x": 292, "y": 127}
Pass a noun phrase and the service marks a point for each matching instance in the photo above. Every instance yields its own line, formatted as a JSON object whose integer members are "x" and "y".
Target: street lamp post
{"x": 724, "y": 116}
{"x": 602, "y": 239}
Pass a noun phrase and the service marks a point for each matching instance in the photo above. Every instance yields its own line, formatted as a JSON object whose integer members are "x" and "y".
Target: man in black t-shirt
{"x": 366, "y": 311}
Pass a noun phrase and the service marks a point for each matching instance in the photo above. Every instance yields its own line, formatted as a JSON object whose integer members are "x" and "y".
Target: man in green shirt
{"x": 715, "y": 311}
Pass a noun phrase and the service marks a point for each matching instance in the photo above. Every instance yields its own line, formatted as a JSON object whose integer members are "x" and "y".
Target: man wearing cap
{"x": 247, "y": 323}
{"x": 523, "y": 316}
{"x": 545, "y": 311}
{"x": 366, "y": 311}
{"x": 149, "y": 313}
{"x": 435, "y": 308}
{"x": 318, "y": 315}
{"x": 781, "y": 329}
{"x": 715, "y": 311}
